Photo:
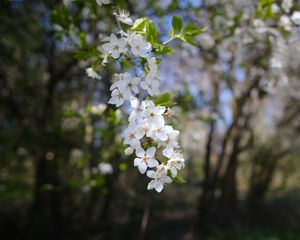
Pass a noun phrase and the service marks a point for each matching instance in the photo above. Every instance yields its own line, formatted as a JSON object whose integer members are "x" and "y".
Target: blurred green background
{"x": 238, "y": 109}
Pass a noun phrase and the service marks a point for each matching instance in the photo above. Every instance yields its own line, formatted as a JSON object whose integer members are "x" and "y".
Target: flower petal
{"x": 159, "y": 186}
{"x": 137, "y": 161}
{"x": 140, "y": 152}
{"x": 142, "y": 167}
{"x": 151, "y": 174}
{"x": 152, "y": 163}
{"x": 150, "y": 152}
{"x": 151, "y": 184}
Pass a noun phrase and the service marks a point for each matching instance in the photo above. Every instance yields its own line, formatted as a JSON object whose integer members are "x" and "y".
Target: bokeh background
{"x": 238, "y": 110}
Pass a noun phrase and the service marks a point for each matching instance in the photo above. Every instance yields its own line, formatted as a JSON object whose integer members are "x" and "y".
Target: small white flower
{"x": 151, "y": 86}
{"x": 117, "y": 81}
{"x": 143, "y": 128}
{"x": 171, "y": 143}
{"x": 131, "y": 83}
{"x": 161, "y": 133}
{"x": 115, "y": 46}
{"x": 152, "y": 64}
{"x": 285, "y": 22}
{"x": 128, "y": 151}
{"x": 99, "y": 109}
{"x": 175, "y": 163}
{"x": 125, "y": 84}
{"x": 117, "y": 98}
{"x": 137, "y": 42}
{"x": 123, "y": 16}
{"x": 100, "y": 2}
{"x": 172, "y": 140}
{"x": 130, "y": 136}
{"x": 154, "y": 114}
{"x": 160, "y": 178}
{"x": 168, "y": 151}
{"x": 145, "y": 159}
{"x": 137, "y": 109}
{"x": 258, "y": 23}
{"x": 275, "y": 8}
{"x": 286, "y": 5}
{"x": 296, "y": 17}
{"x": 92, "y": 73}
{"x": 105, "y": 168}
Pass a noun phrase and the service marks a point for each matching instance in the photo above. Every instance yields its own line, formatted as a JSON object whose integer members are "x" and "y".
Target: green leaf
{"x": 191, "y": 30}
{"x": 179, "y": 179}
{"x": 151, "y": 32}
{"x": 86, "y": 54}
{"x": 177, "y": 24}
{"x": 168, "y": 104}
{"x": 171, "y": 32}
{"x": 162, "y": 49}
{"x": 139, "y": 24}
{"x": 187, "y": 39}
{"x": 163, "y": 98}
{"x": 82, "y": 40}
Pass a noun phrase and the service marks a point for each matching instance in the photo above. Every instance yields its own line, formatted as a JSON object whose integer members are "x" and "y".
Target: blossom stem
{"x": 169, "y": 40}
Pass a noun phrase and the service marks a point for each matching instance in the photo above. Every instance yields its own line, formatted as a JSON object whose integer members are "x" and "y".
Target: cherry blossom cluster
{"x": 154, "y": 142}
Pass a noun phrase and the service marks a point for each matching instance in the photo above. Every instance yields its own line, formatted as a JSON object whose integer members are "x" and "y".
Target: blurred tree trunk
{"x": 264, "y": 164}
{"x": 205, "y": 204}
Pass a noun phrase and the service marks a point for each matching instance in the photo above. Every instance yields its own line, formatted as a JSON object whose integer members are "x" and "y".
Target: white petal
{"x": 150, "y": 152}
{"x": 115, "y": 54}
{"x": 128, "y": 151}
{"x": 167, "y": 152}
{"x": 152, "y": 163}
{"x": 163, "y": 136}
{"x": 151, "y": 174}
{"x": 159, "y": 186}
{"x": 142, "y": 167}
{"x": 173, "y": 172}
{"x": 134, "y": 102}
{"x": 151, "y": 185}
{"x": 140, "y": 152}
{"x": 160, "y": 110}
{"x": 139, "y": 133}
{"x": 113, "y": 39}
{"x": 106, "y": 47}
{"x": 159, "y": 121}
{"x": 137, "y": 161}
{"x": 167, "y": 179}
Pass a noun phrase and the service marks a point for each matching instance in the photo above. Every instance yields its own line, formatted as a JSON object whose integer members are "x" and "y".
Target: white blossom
{"x": 175, "y": 163}
{"x": 154, "y": 114}
{"x": 117, "y": 98}
{"x": 137, "y": 109}
{"x": 92, "y": 73}
{"x": 146, "y": 120}
{"x": 130, "y": 136}
{"x": 123, "y": 16}
{"x": 275, "y": 8}
{"x": 284, "y": 21}
{"x": 145, "y": 159}
{"x": 286, "y": 5}
{"x": 160, "y": 178}
{"x": 99, "y": 109}
{"x": 105, "y": 168}
{"x": 115, "y": 46}
{"x": 128, "y": 151}
{"x": 151, "y": 86}
{"x": 131, "y": 83}
{"x": 296, "y": 17}
{"x": 139, "y": 46}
